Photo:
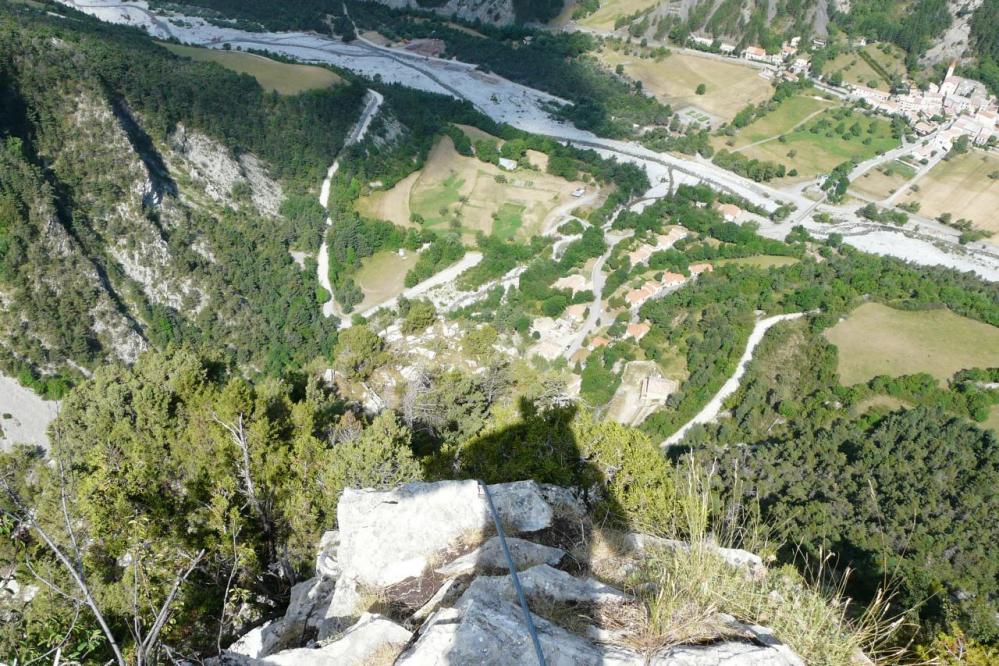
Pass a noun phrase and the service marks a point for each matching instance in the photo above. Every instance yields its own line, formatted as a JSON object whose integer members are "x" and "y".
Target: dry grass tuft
{"x": 686, "y": 594}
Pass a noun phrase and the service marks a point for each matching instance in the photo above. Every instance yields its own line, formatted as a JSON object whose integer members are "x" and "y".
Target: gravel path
{"x": 712, "y": 409}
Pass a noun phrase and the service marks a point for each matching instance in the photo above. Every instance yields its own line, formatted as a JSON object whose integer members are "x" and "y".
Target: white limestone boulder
{"x": 389, "y": 536}
{"x": 371, "y": 638}
{"x": 308, "y": 603}
{"x": 545, "y": 583}
{"x": 489, "y": 556}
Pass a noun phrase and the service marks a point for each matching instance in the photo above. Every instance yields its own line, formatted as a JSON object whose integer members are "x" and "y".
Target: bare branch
{"x": 27, "y": 517}
{"x": 228, "y": 586}
{"x": 52, "y": 586}
{"x": 238, "y": 434}
{"x": 147, "y": 645}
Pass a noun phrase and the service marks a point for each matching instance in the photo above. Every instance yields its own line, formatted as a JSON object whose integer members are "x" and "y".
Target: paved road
{"x": 714, "y": 406}
{"x": 597, "y": 306}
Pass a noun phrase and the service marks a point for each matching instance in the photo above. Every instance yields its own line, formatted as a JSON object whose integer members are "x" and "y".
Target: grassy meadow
{"x": 382, "y": 276}
{"x": 280, "y": 77}
{"x": 878, "y": 340}
{"x": 674, "y": 79}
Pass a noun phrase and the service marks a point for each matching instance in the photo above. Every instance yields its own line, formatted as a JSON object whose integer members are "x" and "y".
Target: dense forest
{"x": 911, "y": 26}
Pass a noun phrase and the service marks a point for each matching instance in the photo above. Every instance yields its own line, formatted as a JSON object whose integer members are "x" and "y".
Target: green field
{"x": 824, "y": 141}
{"x": 878, "y": 340}
{"x": 509, "y": 219}
{"x": 857, "y": 70}
{"x": 759, "y": 261}
{"x": 430, "y": 201}
{"x": 788, "y": 113}
{"x": 382, "y": 276}
{"x": 284, "y": 78}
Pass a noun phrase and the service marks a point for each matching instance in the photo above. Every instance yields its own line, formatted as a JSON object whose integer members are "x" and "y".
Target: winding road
{"x": 357, "y": 133}
{"x": 711, "y": 410}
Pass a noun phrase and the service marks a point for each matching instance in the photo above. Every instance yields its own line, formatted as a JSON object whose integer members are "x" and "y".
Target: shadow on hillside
{"x": 541, "y": 446}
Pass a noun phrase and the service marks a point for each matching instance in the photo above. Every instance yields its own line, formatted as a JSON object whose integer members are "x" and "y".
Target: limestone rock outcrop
{"x": 417, "y": 576}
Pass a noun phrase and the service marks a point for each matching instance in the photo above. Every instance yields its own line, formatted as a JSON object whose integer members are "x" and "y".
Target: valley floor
{"x": 925, "y": 243}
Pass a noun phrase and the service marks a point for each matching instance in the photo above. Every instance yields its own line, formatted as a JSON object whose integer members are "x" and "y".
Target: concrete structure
{"x": 576, "y": 313}
{"x": 730, "y": 212}
{"x": 574, "y": 282}
{"x": 658, "y": 389}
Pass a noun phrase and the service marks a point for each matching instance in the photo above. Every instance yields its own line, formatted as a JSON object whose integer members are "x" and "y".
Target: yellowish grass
{"x": 993, "y": 421}
{"x": 686, "y": 590}
{"x": 885, "y": 402}
{"x": 878, "y": 340}
{"x": 284, "y": 78}
{"x": 877, "y": 185}
{"x": 610, "y": 10}
{"x": 476, "y": 134}
{"x": 382, "y": 276}
{"x": 759, "y": 261}
{"x": 961, "y": 186}
{"x": 730, "y": 85}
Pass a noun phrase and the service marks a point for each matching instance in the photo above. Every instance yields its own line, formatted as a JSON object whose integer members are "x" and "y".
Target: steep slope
{"x": 141, "y": 207}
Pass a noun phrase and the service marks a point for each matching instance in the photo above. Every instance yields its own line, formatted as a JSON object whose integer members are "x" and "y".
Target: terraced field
{"x": 454, "y": 190}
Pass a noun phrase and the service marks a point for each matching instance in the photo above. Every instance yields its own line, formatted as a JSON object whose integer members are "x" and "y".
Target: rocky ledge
{"x": 416, "y": 576}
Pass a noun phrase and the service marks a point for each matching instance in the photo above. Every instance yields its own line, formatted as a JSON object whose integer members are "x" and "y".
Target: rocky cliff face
{"x": 495, "y": 12}
{"x": 417, "y": 576}
{"x": 118, "y": 234}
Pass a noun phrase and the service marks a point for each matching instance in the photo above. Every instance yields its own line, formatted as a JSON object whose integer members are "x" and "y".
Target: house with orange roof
{"x": 730, "y": 212}
{"x": 701, "y": 267}
{"x": 598, "y": 342}
{"x": 672, "y": 281}
{"x": 640, "y": 255}
{"x": 637, "y": 297}
{"x": 638, "y": 331}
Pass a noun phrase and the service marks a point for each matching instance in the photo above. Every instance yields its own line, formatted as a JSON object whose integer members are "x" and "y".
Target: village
{"x": 958, "y": 106}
